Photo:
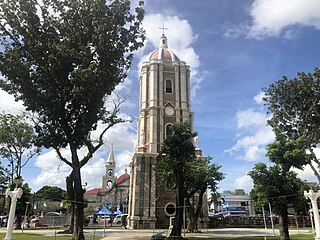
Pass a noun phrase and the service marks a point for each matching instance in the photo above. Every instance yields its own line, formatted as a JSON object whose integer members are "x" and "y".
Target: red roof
{"x": 164, "y": 54}
{"x": 122, "y": 178}
{"x": 93, "y": 191}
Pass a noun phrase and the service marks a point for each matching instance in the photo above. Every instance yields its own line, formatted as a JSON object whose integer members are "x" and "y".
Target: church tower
{"x": 109, "y": 179}
{"x": 164, "y": 100}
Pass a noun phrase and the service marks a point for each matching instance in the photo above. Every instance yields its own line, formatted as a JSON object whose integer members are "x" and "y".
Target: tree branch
{"x": 62, "y": 158}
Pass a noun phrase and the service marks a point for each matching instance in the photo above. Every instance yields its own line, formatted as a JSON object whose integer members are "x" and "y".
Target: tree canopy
{"x": 279, "y": 188}
{"x": 62, "y": 58}
{"x": 278, "y": 185}
{"x": 16, "y": 142}
{"x": 50, "y": 193}
{"x": 294, "y": 105}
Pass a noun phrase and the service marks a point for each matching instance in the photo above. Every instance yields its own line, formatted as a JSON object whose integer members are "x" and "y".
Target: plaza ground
{"x": 139, "y": 234}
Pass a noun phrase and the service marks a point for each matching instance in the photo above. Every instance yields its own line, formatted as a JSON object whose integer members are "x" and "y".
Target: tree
{"x": 201, "y": 176}
{"x": 50, "y": 193}
{"x": 62, "y": 58}
{"x": 173, "y": 167}
{"x": 16, "y": 142}
{"x": 4, "y": 180}
{"x": 294, "y": 105}
{"x": 278, "y": 184}
{"x": 279, "y": 188}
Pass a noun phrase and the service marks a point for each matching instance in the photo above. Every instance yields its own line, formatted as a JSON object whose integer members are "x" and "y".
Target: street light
{"x": 25, "y": 216}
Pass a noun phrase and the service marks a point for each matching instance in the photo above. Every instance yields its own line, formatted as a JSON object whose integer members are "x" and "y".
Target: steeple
{"x": 109, "y": 179}
{"x": 111, "y": 156}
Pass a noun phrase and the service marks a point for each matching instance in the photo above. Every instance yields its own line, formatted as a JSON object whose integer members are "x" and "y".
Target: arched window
{"x": 168, "y": 129}
{"x": 169, "y": 86}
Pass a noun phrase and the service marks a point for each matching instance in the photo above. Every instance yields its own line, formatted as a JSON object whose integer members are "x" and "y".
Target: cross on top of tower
{"x": 163, "y": 28}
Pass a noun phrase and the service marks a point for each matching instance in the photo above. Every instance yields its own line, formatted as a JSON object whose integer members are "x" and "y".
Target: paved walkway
{"x": 138, "y": 234}
{"x": 211, "y": 233}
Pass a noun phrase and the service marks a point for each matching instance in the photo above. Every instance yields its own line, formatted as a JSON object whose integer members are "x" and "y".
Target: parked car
{"x": 118, "y": 219}
{"x": 102, "y": 219}
{"x": 52, "y": 214}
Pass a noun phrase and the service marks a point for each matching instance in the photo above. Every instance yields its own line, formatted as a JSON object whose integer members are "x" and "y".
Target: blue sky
{"x": 234, "y": 49}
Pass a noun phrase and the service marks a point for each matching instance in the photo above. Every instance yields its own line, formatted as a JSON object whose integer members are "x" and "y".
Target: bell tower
{"x": 109, "y": 179}
{"x": 164, "y": 100}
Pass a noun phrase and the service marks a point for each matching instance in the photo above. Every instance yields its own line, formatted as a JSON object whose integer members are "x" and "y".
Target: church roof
{"x": 163, "y": 53}
{"x": 122, "y": 178}
{"x": 93, "y": 191}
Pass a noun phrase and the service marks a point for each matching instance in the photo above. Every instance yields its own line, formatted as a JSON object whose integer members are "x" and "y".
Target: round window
{"x": 170, "y": 209}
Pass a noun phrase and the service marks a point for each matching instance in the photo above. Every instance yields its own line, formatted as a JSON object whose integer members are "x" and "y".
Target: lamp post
{"x": 271, "y": 220}
{"x": 264, "y": 217}
{"x": 25, "y": 216}
{"x": 15, "y": 194}
{"x": 313, "y": 196}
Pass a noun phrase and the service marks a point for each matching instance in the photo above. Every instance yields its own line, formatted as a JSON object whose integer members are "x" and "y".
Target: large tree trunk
{"x": 178, "y": 223}
{"x": 194, "y": 211}
{"x": 69, "y": 184}
{"x": 284, "y": 224}
{"x": 78, "y": 196}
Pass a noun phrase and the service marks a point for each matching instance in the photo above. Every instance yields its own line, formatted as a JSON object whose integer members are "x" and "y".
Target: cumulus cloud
{"x": 54, "y": 171}
{"x": 250, "y": 117}
{"x": 277, "y": 18}
{"x": 244, "y": 182}
{"x": 253, "y": 134}
{"x": 8, "y": 103}
{"x": 258, "y": 98}
{"x": 254, "y": 145}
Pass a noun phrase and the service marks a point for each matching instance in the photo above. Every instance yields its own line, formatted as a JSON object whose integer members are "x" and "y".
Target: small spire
{"x": 111, "y": 155}
{"x": 163, "y": 42}
{"x": 163, "y": 38}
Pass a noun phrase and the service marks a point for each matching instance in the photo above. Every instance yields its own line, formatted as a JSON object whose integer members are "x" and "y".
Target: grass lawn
{"x": 292, "y": 237}
{"x": 26, "y": 236}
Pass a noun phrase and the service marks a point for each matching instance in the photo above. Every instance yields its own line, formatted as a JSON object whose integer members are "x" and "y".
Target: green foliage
{"x": 176, "y": 155}
{"x": 288, "y": 153}
{"x": 4, "y": 178}
{"x": 295, "y": 108}
{"x": 272, "y": 184}
{"x": 16, "y": 142}
{"x": 50, "y": 193}
{"x": 62, "y": 58}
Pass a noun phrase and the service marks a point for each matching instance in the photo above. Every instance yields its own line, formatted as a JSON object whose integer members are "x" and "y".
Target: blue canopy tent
{"x": 118, "y": 212}
{"x": 104, "y": 211}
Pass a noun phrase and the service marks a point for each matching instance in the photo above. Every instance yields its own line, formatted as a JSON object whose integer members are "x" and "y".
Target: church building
{"x": 164, "y": 100}
{"x": 114, "y": 191}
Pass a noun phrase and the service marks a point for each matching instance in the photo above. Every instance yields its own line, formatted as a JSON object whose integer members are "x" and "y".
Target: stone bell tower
{"x": 164, "y": 100}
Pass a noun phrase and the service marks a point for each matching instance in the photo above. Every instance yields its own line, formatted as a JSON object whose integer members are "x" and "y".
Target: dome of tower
{"x": 163, "y": 53}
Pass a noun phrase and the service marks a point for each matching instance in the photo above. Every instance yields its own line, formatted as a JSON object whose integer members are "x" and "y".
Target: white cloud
{"x": 8, "y": 103}
{"x": 306, "y": 174}
{"x": 249, "y": 118}
{"x": 54, "y": 171}
{"x": 244, "y": 182}
{"x": 277, "y": 18}
{"x": 271, "y": 17}
{"x": 258, "y": 97}
{"x": 253, "y": 135}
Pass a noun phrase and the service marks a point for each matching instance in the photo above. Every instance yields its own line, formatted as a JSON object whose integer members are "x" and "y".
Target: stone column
{"x": 15, "y": 194}
{"x": 313, "y": 196}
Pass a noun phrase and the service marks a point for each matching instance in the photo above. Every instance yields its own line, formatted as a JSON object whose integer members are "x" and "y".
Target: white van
{"x": 117, "y": 219}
